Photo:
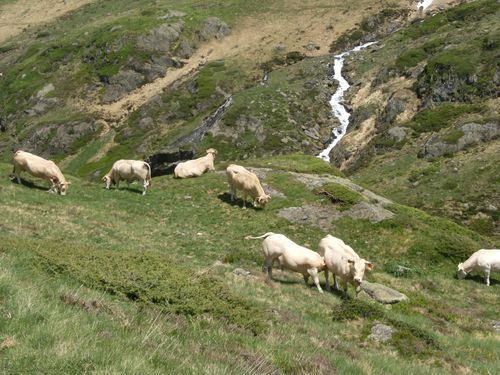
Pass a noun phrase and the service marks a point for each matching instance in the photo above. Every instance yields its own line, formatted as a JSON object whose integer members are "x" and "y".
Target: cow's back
{"x": 487, "y": 258}
{"x": 35, "y": 165}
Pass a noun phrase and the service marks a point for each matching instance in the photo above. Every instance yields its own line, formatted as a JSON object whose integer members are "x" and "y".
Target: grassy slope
{"x": 61, "y": 319}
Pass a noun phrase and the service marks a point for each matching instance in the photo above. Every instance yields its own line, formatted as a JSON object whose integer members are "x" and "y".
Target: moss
{"x": 410, "y": 58}
{"x": 351, "y": 309}
{"x": 453, "y": 137}
{"x": 340, "y": 195}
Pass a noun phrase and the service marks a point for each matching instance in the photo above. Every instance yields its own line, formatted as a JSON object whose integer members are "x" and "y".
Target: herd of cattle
{"x": 333, "y": 254}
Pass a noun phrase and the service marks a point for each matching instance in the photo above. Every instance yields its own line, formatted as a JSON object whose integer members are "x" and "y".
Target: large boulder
{"x": 161, "y": 38}
{"x": 122, "y": 83}
{"x": 382, "y": 293}
{"x": 212, "y": 28}
{"x": 458, "y": 139}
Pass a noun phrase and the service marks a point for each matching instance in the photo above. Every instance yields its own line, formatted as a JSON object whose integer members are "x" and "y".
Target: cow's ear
{"x": 369, "y": 266}
{"x": 68, "y": 182}
{"x": 350, "y": 261}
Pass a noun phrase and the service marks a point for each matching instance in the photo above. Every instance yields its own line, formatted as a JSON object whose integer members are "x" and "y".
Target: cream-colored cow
{"x": 291, "y": 256}
{"x": 41, "y": 168}
{"x": 196, "y": 167}
{"x": 240, "y": 178}
{"x": 342, "y": 261}
{"x": 481, "y": 261}
{"x": 129, "y": 170}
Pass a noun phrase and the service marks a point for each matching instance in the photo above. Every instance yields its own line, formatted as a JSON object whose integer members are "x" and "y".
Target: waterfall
{"x": 339, "y": 111}
{"x": 424, "y": 4}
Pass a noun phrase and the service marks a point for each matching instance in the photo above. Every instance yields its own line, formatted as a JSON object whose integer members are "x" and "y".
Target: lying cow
{"x": 196, "y": 167}
{"x": 291, "y": 256}
{"x": 342, "y": 261}
{"x": 481, "y": 261}
{"x": 239, "y": 178}
{"x": 42, "y": 168}
{"x": 129, "y": 170}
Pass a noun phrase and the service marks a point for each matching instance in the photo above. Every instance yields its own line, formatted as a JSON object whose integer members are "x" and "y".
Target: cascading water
{"x": 338, "y": 109}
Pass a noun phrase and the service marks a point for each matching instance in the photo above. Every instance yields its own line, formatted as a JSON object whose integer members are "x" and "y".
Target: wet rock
{"x": 212, "y": 28}
{"x": 381, "y": 333}
{"x": 382, "y": 293}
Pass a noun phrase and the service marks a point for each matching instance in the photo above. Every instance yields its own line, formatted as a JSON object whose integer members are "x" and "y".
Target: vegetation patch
{"x": 299, "y": 163}
{"x": 148, "y": 278}
{"x": 340, "y": 195}
{"x": 351, "y": 309}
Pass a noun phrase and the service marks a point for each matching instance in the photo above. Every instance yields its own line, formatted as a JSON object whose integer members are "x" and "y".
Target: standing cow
{"x": 129, "y": 170}
{"x": 196, "y": 167}
{"x": 343, "y": 261}
{"x": 239, "y": 178}
{"x": 42, "y": 168}
{"x": 291, "y": 256}
{"x": 482, "y": 260}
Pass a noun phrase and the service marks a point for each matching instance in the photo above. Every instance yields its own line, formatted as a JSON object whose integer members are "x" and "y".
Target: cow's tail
{"x": 256, "y": 238}
{"x": 149, "y": 174}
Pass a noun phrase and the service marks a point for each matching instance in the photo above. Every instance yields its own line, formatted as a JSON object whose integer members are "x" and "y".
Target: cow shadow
{"x": 226, "y": 198}
{"x": 480, "y": 279}
{"x": 29, "y": 184}
{"x": 126, "y": 188}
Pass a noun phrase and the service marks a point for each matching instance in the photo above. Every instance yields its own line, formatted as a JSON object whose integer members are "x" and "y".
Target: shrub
{"x": 351, "y": 309}
{"x": 410, "y": 58}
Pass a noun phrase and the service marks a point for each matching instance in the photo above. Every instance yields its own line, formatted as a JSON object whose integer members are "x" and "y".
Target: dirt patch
{"x": 8, "y": 342}
{"x": 17, "y": 16}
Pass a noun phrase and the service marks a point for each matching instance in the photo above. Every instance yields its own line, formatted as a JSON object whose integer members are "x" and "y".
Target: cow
{"x": 343, "y": 261}
{"x": 196, "y": 167}
{"x": 129, "y": 170}
{"x": 482, "y": 260}
{"x": 291, "y": 256}
{"x": 239, "y": 178}
{"x": 41, "y": 168}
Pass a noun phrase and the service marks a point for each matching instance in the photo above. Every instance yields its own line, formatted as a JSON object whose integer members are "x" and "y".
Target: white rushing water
{"x": 424, "y": 4}
{"x": 338, "y": 109}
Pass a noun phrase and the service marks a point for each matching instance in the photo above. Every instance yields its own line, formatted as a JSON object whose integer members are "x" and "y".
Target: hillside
{"x": 175, "y": 253}
{"x": 113, "y": 282}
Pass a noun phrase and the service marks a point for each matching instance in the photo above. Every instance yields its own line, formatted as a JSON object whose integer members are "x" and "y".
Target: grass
{"x": 141, "y": 286}
{"x": 341, "y": 195}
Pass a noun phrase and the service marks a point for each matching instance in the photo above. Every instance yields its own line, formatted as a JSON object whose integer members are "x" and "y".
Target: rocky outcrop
{"x": 121, "y": 84}
{"x": 212, "y": 28}
{"x": 381, "y": 332}
{"x": 456, "y": 140}
{"x": 162, "y": 38}
{"x": 164, "y": 162}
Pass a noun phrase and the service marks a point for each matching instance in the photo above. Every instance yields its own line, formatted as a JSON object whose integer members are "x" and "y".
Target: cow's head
{"x": 63, "y": 187}
{"x": 263, "y": 199}
{"x": 212, "y": 151}
{"x": 461, "y": 272}
{"x": 108, "y": 181}
{"x": 358, "y": 268}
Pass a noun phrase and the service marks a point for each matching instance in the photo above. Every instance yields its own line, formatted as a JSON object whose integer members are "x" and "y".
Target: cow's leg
{"x": 344, "y": 286}
{"x": 487, "y": 276}
{"x": 117, "y": 184}
{"x": 268, "y": 267}
{"x": 326, "y": 280}
{"x": 17, "y": 174}
{"x": 145, "y": 185}
{"x": 314, "y": 273}
{"x": 335, "y": 285}
{"x": 306, "y": 278}
{"x": 244, "y": 201}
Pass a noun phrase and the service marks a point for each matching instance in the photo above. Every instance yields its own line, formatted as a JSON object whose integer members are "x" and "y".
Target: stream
{"x": 338, "y": 109}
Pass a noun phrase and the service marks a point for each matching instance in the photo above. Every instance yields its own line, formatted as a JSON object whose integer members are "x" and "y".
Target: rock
{"x": 382, "y": 293}
{"x": 368, "y": 211}
{"x": 164, "y": 162}
{"x": 45, "y": 90}
{"x": 184, "y": 50}
{"x": 395, "y": 106}
{"x": 122, "y": 83}
{"x": 317, "y": 215}
{"x": 161, "y": 38}
{"x": 172, "y": 14}
{"x": 398, "y": 133}
{"x": 241, "y": 272}
{"x": 495, "y": 324}
{"x": 211, "y": 28}
{"x": 381, "y": 332}
{"x": 467, "y": 135}
{"x": 311, "y": 46}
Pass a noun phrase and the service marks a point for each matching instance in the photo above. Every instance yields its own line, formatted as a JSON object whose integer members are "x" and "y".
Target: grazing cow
{"x": 196, "y": 167}
{"x": 482, "y": 260}
{"x": 42, "y": 168}
{"x": 129, "y": 170}
{"x": 239, "y": 178}
{"x": 342, "y": 261}
{"x": 291, "y": 256}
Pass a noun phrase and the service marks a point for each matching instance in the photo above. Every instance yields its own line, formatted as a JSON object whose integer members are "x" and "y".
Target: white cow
{"x": 342, "y": 261}
{"x": 196, "y": 167}
{"x": 129, "y": 170}
{"x": 291, "y": 256}
{"x": 240, "y": 178}
{"x": 482, "y": 260}
{"x": 42, "y": 168}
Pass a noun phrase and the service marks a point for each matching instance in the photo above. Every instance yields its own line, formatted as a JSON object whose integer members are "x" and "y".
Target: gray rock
{"x": 381, "y": 332}
{"x": 382, "y": 293}
{"x": 368, "y": 211}
{"x": 241, "y": 272}
{"x": 45, "y": 90}
{"x": 398, "y": 133}
{"x": 184, "y": 50}
{"x": 473, "y": 133}
{"x": 211, "y": 28}
{"x": 495, "y": 324}
{"x": 161, "y": 38}
{"x": 122, "y": 83}
{"x": 172, "y": 14}
{"x": 317, "y": 215}
{"x": 395, "y": 106}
